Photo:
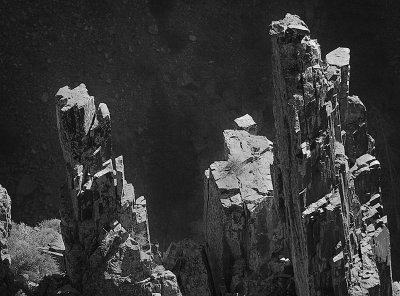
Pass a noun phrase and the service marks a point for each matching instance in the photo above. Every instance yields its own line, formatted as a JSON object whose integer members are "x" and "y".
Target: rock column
{"x": 243, "y": 230}
{"x": 104, "y": 226}
{"x": 323, "y": 171}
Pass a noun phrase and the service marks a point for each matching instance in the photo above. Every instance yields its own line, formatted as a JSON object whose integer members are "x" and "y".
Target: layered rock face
{"x": 326, "y": 179}
{"x": 6, "y": 278}
{"x": 243, "y": 230}
{"x": 104, "y": 226}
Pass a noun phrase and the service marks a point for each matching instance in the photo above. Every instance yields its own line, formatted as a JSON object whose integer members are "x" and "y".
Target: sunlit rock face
{"x": 104, "y": 225}
{"x": 243, "y": 230}
{"x": 325, "y": 175}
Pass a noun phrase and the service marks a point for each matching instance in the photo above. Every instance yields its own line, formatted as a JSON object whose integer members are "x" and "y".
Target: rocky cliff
{"x": 302, "y": 216}
{"x": 104, "y": 225}
{"x": 6, "y": 278}
{"x": 326, "y": 179}
{"x": 243, "y": 227}
{"x": 176, "y": 74}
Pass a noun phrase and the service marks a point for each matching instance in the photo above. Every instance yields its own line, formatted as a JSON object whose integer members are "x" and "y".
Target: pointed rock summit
{"x": 104, "y": 226}
{"x": 326, "y": 179}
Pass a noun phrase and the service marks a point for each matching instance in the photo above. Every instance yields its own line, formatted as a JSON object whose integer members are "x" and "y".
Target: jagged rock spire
{"x": 325, "y": 178}
{"x": 104, "y": 226}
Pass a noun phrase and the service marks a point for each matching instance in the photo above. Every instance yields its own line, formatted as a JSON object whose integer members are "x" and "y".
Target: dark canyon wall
{"x": 175, "y": 74}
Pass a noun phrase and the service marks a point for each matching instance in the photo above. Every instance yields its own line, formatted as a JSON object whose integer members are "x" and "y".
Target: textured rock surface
{"x": 243, "y": 230}
{"x": 56, "y": 285}
{"x": 325, "y": 178}
{"x": 188, "y": 261}
{"x": 104, "y": 226}
{"x": 6, "y": 277}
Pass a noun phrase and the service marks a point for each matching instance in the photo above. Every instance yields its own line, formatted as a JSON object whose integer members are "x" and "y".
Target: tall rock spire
{"x": 325, "y": 176}
{"x": 104, "y": 226}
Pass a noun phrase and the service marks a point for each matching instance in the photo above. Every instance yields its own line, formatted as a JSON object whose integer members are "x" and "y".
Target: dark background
{"x": 174, "y": 74}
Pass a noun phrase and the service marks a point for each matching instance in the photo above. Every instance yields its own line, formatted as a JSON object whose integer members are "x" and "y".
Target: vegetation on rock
{"x": 29, "y": 263}
{"x": 234, "y": 165}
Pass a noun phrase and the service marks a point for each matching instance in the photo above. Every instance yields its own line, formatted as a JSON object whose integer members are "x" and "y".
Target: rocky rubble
{"x": 6, "y": 277}
{"x": 104, "y": 225}
{"x": 326, "y": 179}
{"x": 243, "y": 230}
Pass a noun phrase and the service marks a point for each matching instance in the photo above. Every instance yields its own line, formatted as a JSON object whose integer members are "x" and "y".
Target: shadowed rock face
{"x": 104, "y": 226}
{"x": 188, "y": 261}
{"x": 325, "y": 176}
{"x": 6, "y": 278}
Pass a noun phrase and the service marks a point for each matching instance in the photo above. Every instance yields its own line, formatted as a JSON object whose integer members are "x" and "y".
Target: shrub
{"x": 28, "y": 262}
{"x": 52, "y": 223}
{"x": 233, "y": 166}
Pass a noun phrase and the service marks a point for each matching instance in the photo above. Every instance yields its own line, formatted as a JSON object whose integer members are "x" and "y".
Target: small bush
{"x": 52, "y": 223}
{"x": 233, "y": 166}
{"x": 27, "y": 260}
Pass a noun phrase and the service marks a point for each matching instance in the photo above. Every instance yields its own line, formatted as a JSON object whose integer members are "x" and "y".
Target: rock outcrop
{"x": 104, "y": 225}
{"x": 243, "y": 230}
{"x": 6, "y": 277}
{"x": 326, "y": 179}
